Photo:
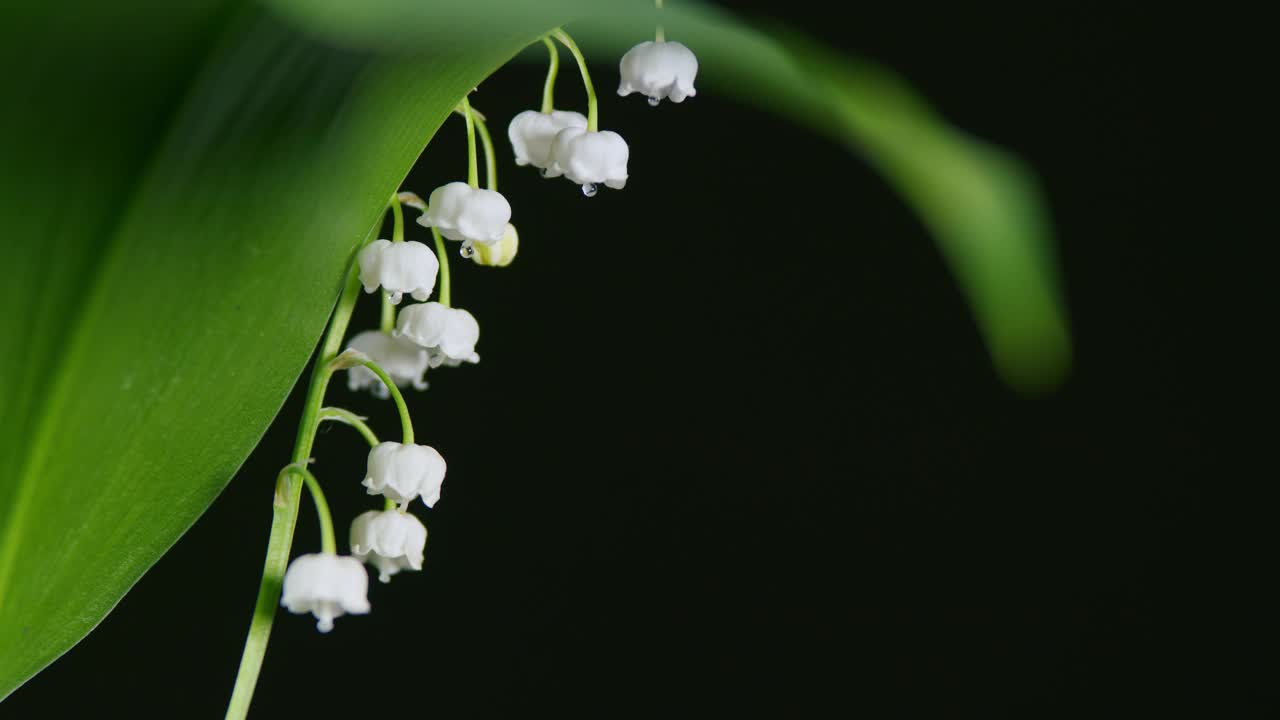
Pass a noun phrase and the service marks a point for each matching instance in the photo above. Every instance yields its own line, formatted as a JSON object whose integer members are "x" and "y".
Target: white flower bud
{"x": 660, "y": 70}
{"x": 449, "y": 335}
{"x": 328, "y": 586}
{"x": 404, "y": 361}
{"x": 389, "y": 540}
{"x": 461, "y": 212}
{"x": 499, "y": 255}
{"x": 403, "y": 267}
{"x": 404, "y": 472}
{"x": 591, "y": 158}
{"x": 532, "y": 133}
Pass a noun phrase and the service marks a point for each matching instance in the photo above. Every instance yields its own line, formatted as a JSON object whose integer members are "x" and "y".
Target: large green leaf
{"x": 183, "y": 184}
{"x": 178, "y": 224}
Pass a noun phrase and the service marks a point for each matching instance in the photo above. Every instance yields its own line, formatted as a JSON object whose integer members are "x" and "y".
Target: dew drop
{"x": 653, "y": 101}
{"x": 467, "y": 251}
{"x": 589, "y": 189}
{"x": 544, "y": 172}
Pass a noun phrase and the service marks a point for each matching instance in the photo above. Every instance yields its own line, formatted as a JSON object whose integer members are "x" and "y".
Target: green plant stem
{"x": 490, "y": 161}
{"x": 388, "y": 320}
{"x": 284, "y": 514}
{"x": 397, "y": 220}
{"x": 406, "y": 423}
{"x": 327, "y": 543}
{"x": 659, "y": 35}
{"x": 549, "y": 88}
{"x": 592, "y": 113}
{"x": 346, "y": 417}
{"x": 443, "y": 254}
{"x": 473, "y": 170}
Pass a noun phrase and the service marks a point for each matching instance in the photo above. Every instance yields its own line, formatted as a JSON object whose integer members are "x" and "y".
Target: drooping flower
{"x": 328, "y": 586}
{"x": 499, "y": 255}
{"x": 449, "y": 335}
{"x": 591, "y": 158}
{"x": 532, "y": 134}
{"x": 399, "y": 267}
{"x": 404, "y": 361}
{"x": 461, "y": 212}
{"x": 404, "y": 472}
{"x": 390, "y": 540}
{"x": 661, "y": 70}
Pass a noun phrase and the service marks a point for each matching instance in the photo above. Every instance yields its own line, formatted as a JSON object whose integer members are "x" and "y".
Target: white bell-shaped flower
{"x": 389, "y": 540}
{"x": 400, "y": 268}
{"x": 532, "y": 133}
{"x": 404, "y": 472}
{"x": 591, "y": 158}
{"x": 461, "y": 212}
{"x": 328, "y": 586}
{"x": 661, "y": 70}
{"x": 449, "y": 335}
{"x": 404, "y": 361}
{"x": 499, "y": 255}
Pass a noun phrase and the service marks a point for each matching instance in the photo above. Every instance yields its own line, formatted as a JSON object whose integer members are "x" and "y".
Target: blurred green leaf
{"x": 180, "y": 202}
{"x": 980, "y": 203}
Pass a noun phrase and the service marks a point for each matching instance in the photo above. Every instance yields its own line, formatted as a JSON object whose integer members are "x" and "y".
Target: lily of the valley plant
{"x": 416, "y": 338}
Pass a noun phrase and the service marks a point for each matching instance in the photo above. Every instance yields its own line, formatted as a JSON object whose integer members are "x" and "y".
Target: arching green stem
{"x": 593, "y": 123}
{"x": 660, "y": 35}
{"x": 327, "y": 543}
{"x": 549, "y": 88}
{"x": 473, "y": 170}
{"x": 406, "y": 423}
{"x": 443, "y": 254}
{"x": 288, "y": 496}
{"x": 346, "y": 417}
{"x": 397, "y": 235}
{"x": 490, "y": 161}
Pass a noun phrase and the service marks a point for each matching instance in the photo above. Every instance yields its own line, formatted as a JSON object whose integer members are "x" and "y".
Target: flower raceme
{"x": 532, "y": 134}
{"x": 404, "y": 472}
{"x": 327, "y": 586}
{"x": 404, "y": 361}
{"x": 399, "y": 268}
{"x": 660, "y": 70}
{"x": 390, "y": 540}
{"x": 461, "y": 212}
{"x": 448, "y": 335}
{"x": 431, "y": 334}
{"x": 590, "y": 158}
{"x": 418, "y": 337}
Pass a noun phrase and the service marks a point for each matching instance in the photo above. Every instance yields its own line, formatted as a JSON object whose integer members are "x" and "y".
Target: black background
{"x": 735, "y": 445}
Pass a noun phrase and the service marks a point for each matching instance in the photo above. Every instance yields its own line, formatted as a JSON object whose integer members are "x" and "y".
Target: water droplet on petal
{"x": 467, "y": 251}
{"x": 653, "y": 101}
{"x": 545, "y": 172}
{"x": 589, "y": 189}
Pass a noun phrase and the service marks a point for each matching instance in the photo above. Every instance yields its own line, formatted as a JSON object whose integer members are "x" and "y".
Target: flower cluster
{"x": 328, "y": 585}
{"x": 432, "y": 333}
{"x": 567, "y": 144}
